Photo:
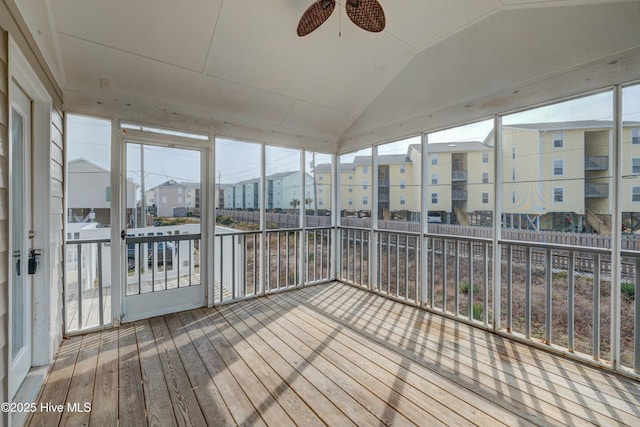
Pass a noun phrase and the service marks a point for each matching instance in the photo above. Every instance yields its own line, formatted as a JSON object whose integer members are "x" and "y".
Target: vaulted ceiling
{"x": 240, "y": 61}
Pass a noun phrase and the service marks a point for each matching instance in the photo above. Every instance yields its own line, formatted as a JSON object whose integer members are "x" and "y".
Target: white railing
{"x": 87, "y": 291}
{"x": 554, "y": 295}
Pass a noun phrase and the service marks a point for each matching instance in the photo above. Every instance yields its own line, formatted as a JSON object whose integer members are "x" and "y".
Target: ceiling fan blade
{"x": 315, "y": 16}
{"x": 366, "y": 14}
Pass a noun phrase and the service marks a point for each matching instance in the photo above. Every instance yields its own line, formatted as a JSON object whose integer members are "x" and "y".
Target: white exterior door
{"x": 21, "y": 224}
{"x": 161, "y": 246}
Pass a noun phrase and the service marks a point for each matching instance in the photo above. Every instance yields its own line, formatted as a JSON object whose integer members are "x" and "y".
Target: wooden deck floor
{"x": 324, "y": 355}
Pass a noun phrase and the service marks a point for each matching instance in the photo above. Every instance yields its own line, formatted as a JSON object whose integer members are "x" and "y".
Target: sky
{"x": 237, "y": 161}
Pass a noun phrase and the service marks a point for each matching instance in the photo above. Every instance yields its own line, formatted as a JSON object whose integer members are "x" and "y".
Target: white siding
{"x": 4, "y": 215}
{"x": 56, "y": 253}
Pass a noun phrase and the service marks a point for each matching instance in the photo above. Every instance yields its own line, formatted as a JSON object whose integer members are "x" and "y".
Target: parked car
{"x": 163, "y": 256}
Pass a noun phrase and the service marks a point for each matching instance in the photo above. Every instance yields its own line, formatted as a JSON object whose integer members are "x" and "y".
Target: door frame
{"x": 46, "y": 331}
{"x": 120, "y": 138}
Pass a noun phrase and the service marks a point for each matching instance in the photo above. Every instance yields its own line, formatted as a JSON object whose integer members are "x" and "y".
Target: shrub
{"x": 628, "y": 290}
{"x": 478, "y": 311}
{"x": 224, "y": 220}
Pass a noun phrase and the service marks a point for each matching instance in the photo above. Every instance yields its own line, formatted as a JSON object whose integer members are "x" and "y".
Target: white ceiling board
{"x": 305, "y": 117}
{"x": 422, "y": 23}
{"x": 38, "y": 20}
{"x": 137, "y": 76}
{"x": 170, "y": 31}
{"x": 544, "y": 3}
{"x": 509, "y": 48}
{"x": 342, "y": 73}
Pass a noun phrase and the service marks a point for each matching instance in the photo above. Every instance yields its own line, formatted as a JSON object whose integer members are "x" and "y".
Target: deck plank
{"x": 369, "y": 400}
{"x": 131, "y": 394}
{"x": 104, "y": 408}
{"x": 82, "y": 383}
{"x": 156, "y": 392}
{"x": 329, "y": 354}
{"x": 486, "y": 363}
{"x": 295, "y": 407}
{"x": 428, "y": 387}
{"x": 340, "y": 398}
{"x": 243, "y": 412}
{"x": 293, "y": 378}
{"x": 185, "y": 405}
{"x": 209, "y": 398}
{"x": 260, "y": 397}
{"x": 57, "y": 384}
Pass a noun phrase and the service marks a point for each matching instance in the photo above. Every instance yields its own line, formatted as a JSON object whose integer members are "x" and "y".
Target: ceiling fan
{"x": 366, "y": 14}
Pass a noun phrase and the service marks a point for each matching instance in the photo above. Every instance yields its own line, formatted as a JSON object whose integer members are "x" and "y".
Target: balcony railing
{"x": 596, "y": 190}
{"x": 596, "y": 163}
{"x": 457, "y": 175}
{"x": 551, "y": 293}
{"x": 554, "y": 294}
{"x": 87, "y": 293}
{"x": 459, "y": 195}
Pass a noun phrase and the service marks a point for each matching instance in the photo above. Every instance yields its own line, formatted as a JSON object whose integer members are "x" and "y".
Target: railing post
{"x": 374, "y": 280}
{"x": 422, "y": 245}
{"x": 497, "y": 222}
{"x": 616, "y": 225}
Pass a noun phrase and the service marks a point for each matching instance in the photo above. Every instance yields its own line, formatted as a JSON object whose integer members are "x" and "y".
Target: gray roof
{"x": 323, "y": 167}
{"x": 457, "y": 147}
{"x": 570, "y": 125}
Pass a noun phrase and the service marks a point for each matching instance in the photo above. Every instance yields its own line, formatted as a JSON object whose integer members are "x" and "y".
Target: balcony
{"x": 459, "y": 195}
{"x": 596, "y": 190}
{"x": 458, "y": 175}
{"x": 291, "y": 360}
{"x": 596, "y": 163}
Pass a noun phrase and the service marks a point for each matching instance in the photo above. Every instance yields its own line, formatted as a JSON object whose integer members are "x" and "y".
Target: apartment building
{"x": 283, "y": 190}
{"x": 174, "y": 199}
{"x": 556, "y": 176}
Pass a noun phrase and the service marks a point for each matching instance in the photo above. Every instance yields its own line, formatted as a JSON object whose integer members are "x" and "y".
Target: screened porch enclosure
{"x": 529, "y": 252}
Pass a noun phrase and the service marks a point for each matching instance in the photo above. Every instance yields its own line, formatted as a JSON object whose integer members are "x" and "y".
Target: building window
{"x": 635, "y": 136}
{"x": 434, "y": 179}
{"x": 164, "y": 199}
{"x": 403, "y": 201}
{"x": 350, "y": 189}
{"x": 365, "y": 200}
{"x": 485, "y": 177}
{"x": 403, "y": 184}
{"x": 434, "y": 198}
{"x": 350, "y": 201}
{"x": 485, "y": 198}
{"x": 513, "y": 197}
{"x": 635, "y": 165}
{"x": 365, "y": 185}
{"x": 320, "y": 178}
{"x": 558, "y": 194}
{"x": 108, "y": 195}
{"x": 402, "y": 168}
{"x": 558, "y": 167}
{"x": 434, "y": 159}
{"x": 635, "y": 197}
{"x": 513, "y": 174}
{"x": 513, "y": 152}
{"x": 321, "y": 189}
{"x": 350, "y": 177}
{"x": 320, "y": 202}
{"x": 485, "y": 157}
{"x": 365, "y": 169}
{"x": 558, "y": 140}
